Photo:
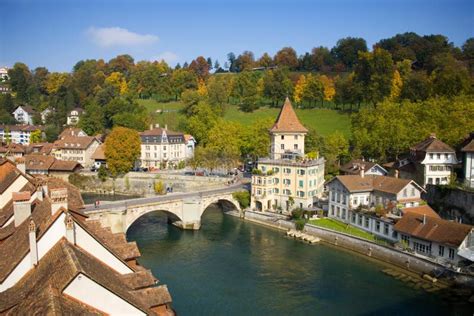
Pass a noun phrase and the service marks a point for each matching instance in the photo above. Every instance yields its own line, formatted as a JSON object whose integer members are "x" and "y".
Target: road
{"x": 164, "y": 198}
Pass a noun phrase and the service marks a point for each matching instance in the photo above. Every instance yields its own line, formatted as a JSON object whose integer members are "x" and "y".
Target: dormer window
{"x": 431, "y": 156}
{"x": 446, "y": 156}
{"x": 439, "y": 156}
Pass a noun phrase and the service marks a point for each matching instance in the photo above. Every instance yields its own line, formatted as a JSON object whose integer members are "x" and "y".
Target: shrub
{"x": 102, "y": 174}
{"x": 78, "y": 180}
{"x": 299, "y": 223}
{"x": 243, "y": 197}
{"x": 159, "y": 187}
{"x": 181, "y": 164}
{"x": 257, "y": 172}
{"x": 296, "y": 214}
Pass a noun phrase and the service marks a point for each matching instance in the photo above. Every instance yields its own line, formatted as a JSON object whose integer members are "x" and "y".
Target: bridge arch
{"x": 227, "y": 203}
{"x": 132, "y": 216}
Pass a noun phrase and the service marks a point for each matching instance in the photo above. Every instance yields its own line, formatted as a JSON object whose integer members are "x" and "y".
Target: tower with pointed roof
{"x": 287, "y": 179}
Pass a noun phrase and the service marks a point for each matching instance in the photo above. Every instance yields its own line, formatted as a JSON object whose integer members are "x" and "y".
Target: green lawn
{"x": 324, "y": 121}
{"x": 343, "y": 228}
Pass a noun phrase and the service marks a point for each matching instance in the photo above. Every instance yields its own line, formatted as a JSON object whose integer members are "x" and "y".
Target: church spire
{"x": 287, "y": 120}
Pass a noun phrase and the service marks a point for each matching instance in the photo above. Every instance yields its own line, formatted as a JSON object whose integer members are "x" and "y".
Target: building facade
{"x": 76, "y": 148}
{"x": 74, "y": 116}
{"x": 287, "y": 179}
{"x": 24, "y": 114}
{"x": 18, "y": 134}
{"x": 162, "y": 148}
{"x": 356, "y": 166}
{"x": 468, "y": 162}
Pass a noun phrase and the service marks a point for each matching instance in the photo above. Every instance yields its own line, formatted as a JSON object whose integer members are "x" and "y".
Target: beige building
{"x": 288, "y": 178}
{"x": 76, "y": 148}
{"x": 162, "y": 148}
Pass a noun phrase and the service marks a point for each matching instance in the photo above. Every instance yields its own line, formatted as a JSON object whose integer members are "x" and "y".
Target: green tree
{"x": 256, "y": 139}
{"x": 122, "y": 149}
{"x": 286, "y": 57}
{"x": 181, "y": 80}
{"x": 347, "y": 50}
{"x": 374, "y": 72}
{"x": 336, "y": 149}
{"x": 245, "y": 89}
{"x": 21, "y": 81}
{"x": 277, "y": 85}
{"x": 201, "y": 121}
{"x": 92, "y": 120}
{"x": 265, "y": 61}
{"x": 416, "y": 86}
{"x": 243, "y": 198}
{"x": 313, "y": 142}
{"x": 313, "y": 90}
{"x": 36, "y": 137}
{"x": 102, "y": 174}
{"x": 245, "y": 61}
{"x": 450, "y": 77}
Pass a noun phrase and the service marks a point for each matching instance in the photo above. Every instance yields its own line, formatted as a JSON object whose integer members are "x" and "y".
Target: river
{"x": 233, "y": 267}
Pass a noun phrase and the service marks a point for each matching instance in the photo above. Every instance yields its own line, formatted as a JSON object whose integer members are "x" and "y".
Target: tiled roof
{"x": 8, "y": 174}
{"x": 74, "y": 142}
{"x": 99, "y": 153}
{"x": 65, "y": 165}
{"x": 23, "y": 128}
{"x": 287, "y": 120}
{"x": 356, "y": 183}
{"x": 26, "y": 108}
{"x": 159, "y": 131}
{"x": 354, "y": 166}
{"x": 469, "y": 146}
{"x": 432, "y": 144}
{"x": 71, "y": 131}
{"x": 39, "y": 162}
{"x": 421, "y": 210}
{"x": 13, "y": 148}
{"x": 40, "y": 148}
{"x": 21, "y": 196}
{"x": 434, "y": 229}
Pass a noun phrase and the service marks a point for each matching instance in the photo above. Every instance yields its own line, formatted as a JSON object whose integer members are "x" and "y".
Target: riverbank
{"x": 417, "y": 272}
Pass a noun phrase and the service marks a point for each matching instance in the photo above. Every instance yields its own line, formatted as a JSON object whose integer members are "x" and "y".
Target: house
{"x": 162, "y": 148}
{"x": 39, "y": 148}
{"x": 355, "y": 167}
{"x": 44, "y": 114}
{"x": 72, "y": 132}
{"x": 3, "y": 73}
{"x": 372, "y": 202}
{"x": 468, "y": 161}
{"x": 74, "y": 115}
{"x": 190, "y": 145}
{"x": 12, "y": 151}
{"x": 24, "y": 114}
{"x": 99, "y": 157}
{"x": 76, "y": 148}
{"x": 18, "y": 134}
{"x": 429, "y": 162}
{"x": 56, "y": 261}
{"x": 287, "y": 179}
{"x": 445, "y": 241}
{"x": 48, "y": 165}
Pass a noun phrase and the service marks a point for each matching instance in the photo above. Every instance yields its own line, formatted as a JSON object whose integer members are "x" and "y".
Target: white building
{"x": 57, "y": 262}
{"x": 74, "y": 116}
{"x": 44, "y": 114}
{"x": 3, "y": 73}
{"x": 190, "y": 145}
{"x": 18, "y": 134}
{"x": 76, "y": 148}
{"x": 430, "y": 236}
{"x": 24, "y": 114}
{"x": 287, "y": 179}
{"x": 430, "y": 162}
{"x": 468, "y": 162}
{"x": 355, "y": 167}
{"x": 367, "y": 201}
{"x": 162, "y": 148}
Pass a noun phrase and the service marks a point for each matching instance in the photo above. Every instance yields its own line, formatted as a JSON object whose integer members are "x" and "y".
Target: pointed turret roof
{"x": 287, "y": 120}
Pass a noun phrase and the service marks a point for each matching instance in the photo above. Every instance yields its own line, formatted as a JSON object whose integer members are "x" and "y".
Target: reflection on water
{"x": 231, "y": 267}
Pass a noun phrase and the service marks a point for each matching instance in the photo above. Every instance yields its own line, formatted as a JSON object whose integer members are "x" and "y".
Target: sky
{"x": 58, "y": 33}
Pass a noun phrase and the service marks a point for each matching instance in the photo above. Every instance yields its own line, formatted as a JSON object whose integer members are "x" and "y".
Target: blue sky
{"x": 58, "y": 33}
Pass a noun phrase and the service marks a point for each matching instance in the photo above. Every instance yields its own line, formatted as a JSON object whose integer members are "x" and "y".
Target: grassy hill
{"x": 325, "y": 121}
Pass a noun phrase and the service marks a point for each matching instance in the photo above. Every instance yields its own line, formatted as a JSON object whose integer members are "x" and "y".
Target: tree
{"x": 122, "y": 149}
{"x": 54, "y": 81}
{"x": 122, "y": 64}
{"x": 181, "y": 80}
{"x": 277, "y": 85}
{"x": 336, "y": 149}
{"x": 218, "y": 93}
{"x": 397, "y": 85}
{"x": 200, "y": 67}
{"x": 217, "y": 65}
{"x": 231, "y": 59}
{"x": 209, "y": 62}
{"x": 201, "y": 120}
{"x": 328, "y": 87}
{"x": 245, "y": 61}
{"x": 321, "y": 58}
{"x": 347, "y": 50}
{"x": 256, "y": 140}
{"x": 450, "y": 77}
{"x": 102, "y": 173}
{"x": 117, "y": 80}
{"x": 265, "y": 61}
{"x": 92, "y": 120}
{"x": 36, "y": 137}
{"x": 314, "y": 90}
{"x": 225, "y": 141}
{"x": 374, "y": 72}
{"x": 468, "y": 53}
{"x": 21, "y": 81}
{"x": 245, "y": 89}
{"x": 286, "y": 57}
{"x": 243, "y": 198}
{"x": 417, "y": 87}
{"x": 313, "y": 142}
{"x": 299, "y": 89}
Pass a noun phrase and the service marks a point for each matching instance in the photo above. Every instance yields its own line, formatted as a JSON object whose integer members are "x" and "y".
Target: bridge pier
{"x": 193, "y": 225}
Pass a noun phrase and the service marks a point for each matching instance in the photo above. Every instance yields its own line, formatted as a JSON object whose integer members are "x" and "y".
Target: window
{"x": 356, "y": 201}
{"x": 441, "y": 251}
{"x": 259, "y": 191}
{"x": 338, "y": 212}
{"x": 287, "y": 192}
{"x": 276, "y": 180}
{"x": 300, "y": 193}
{"x": 422, "y": 248}
{"x": 430, "y": 180}
{"x": 301, "y": 172}
{"x": 282, "y": 146}
{"x": 332, "y": 210}
{"x": 431, "y": 156}
{"x": 406, "y": 239}
{"x": 147, "y": 155}
{"x": 147, "y": 147}
{"x": 437, "y": 181}
{"x": 287, "y": 181}
{"x": 412, "y": 191}
{"x": 276, "y": 190}
{"x": 282, "y": 136}
{"x": 360, "y": 220}
{"x": 446, "y": 156}
{"x": 404, "y": 192}
{"x": 366, "y": 224}
{"x": 295, "y": 146}
{"x": 300, "y": 183}
{"x": 343, "y": 213}
{"x": 438, "y": 156}
{"x": 353, "y": 218}
{"x": 275, "y": 169}
{"x": 385, "y": 229}
{"x": 451, "y": 253}
{"x": 377, "y": 226}
{"x": 164, "y": 147}
{"x": 287, "y": 170}
{"x": 296, "y": 137}
{"x": 333, "y": 195}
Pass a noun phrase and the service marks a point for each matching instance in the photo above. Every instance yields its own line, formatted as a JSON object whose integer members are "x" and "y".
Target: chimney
{"x": 70, "y": 229}
{"x": 33, "y": 245}
{"x": 39, "y": 193}
{"x": 58, "y": 200}
{"x": 157, "y": 125}
{"x": 424, "y": 219}
{"x": 166, "y": 126}
{"x": 21, "y": 206}
{"x": 397, "y": 173}
{"x": 362, "y": 171}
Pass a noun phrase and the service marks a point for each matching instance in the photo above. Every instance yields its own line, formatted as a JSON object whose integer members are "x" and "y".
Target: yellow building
{"x": 288, "y": 178}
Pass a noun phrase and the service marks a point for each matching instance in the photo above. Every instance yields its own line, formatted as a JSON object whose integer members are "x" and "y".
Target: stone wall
{"x": 451, "y": 203}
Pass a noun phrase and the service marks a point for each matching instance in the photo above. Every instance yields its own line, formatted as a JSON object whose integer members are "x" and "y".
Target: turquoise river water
{"x": 233, "y": 267}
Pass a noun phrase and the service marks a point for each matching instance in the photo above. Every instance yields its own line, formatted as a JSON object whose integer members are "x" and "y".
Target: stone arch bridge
{"x": 185, "y": 209}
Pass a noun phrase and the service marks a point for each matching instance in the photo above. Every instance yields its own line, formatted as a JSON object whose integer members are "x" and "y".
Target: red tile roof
{"x": 434, "y": 229}
{"x": 21, "y": 196}
{"x": 469, "y": 147}
{"x": 391, "y": 185}
{"x": 421, "y": 210}
{"x": 432, "y": 144}
{"x": 287, "y": 120}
